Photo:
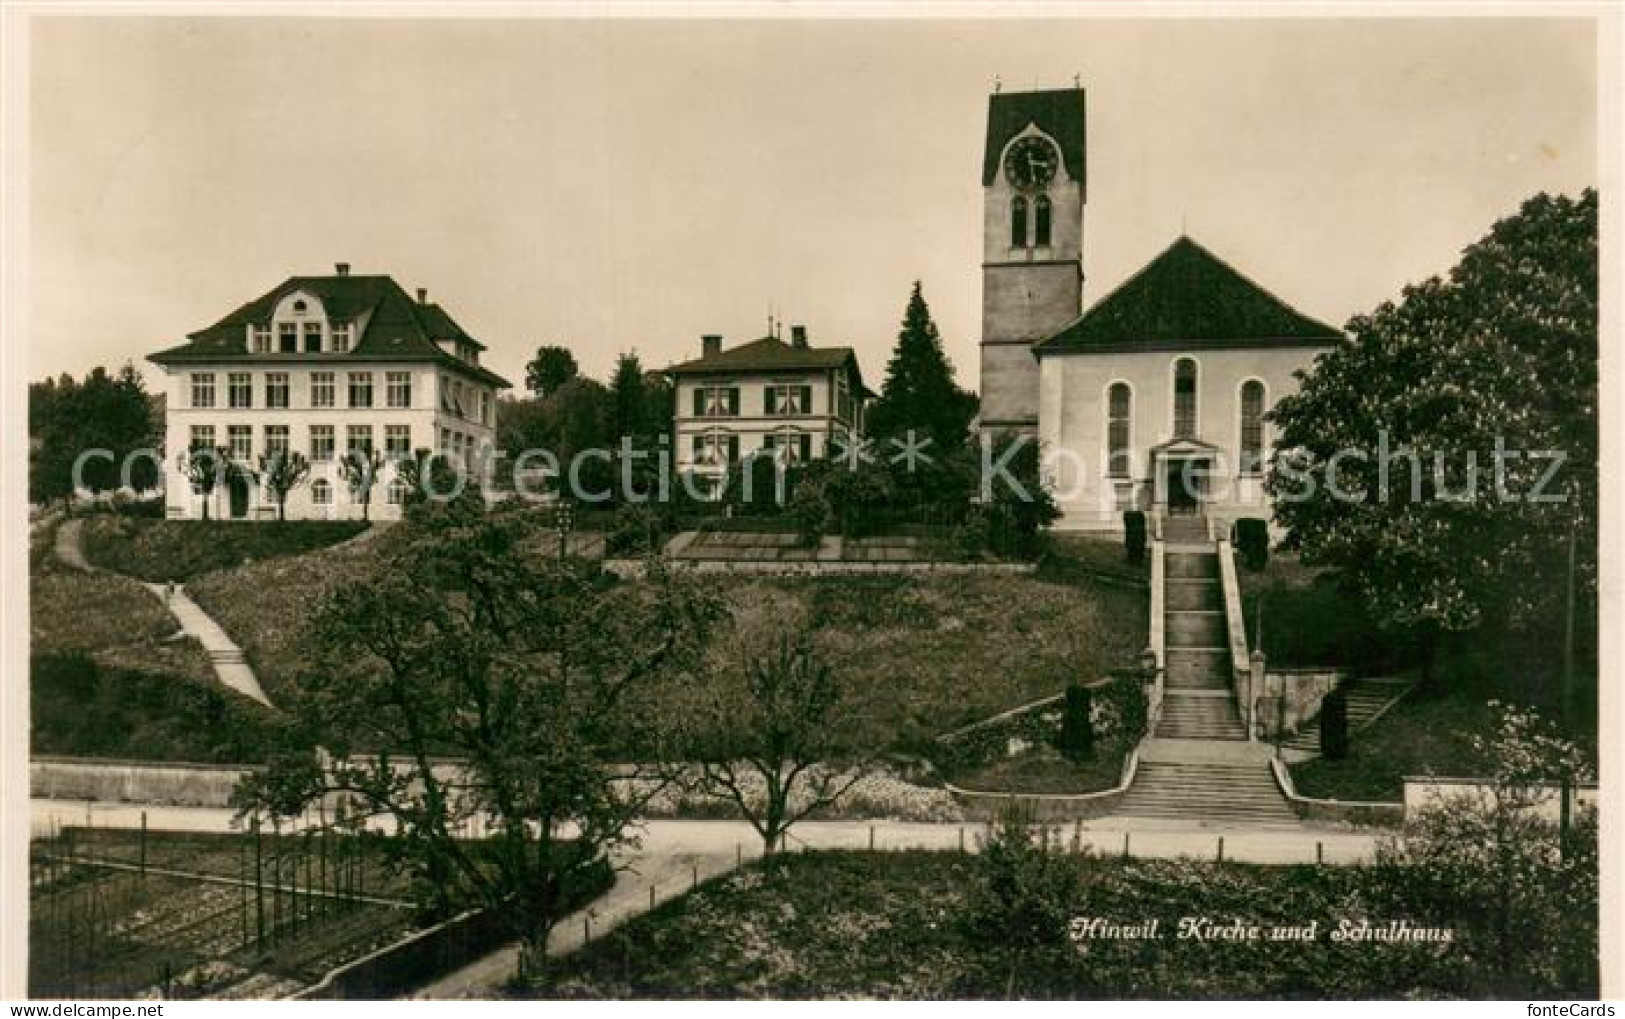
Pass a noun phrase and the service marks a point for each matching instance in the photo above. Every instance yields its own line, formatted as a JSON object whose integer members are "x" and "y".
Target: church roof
{"x": 399, "y": 328}
{"x": 1059, "y": 113}
{"x": 1188, "y": 298}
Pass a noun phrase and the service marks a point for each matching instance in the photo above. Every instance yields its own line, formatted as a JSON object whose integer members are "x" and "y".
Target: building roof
{"x": 398, "y": 329}
{"x": 1059, "y": 113}
{"x": 770, "y": 354}
{"x": 1188, "y": 298}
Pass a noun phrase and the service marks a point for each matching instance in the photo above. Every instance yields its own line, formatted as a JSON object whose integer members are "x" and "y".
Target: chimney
{"x": 798, "y": 337}
{"x": 710, "y": 345}
{"x": 423, "y": 295}
{"x": 341, "y": 268}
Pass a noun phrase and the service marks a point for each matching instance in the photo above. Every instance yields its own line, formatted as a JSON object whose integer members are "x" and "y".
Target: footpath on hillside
{"x": 230, "y": 666}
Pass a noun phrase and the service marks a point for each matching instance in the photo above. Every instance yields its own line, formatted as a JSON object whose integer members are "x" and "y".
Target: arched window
{"x": 1041, "y": 221}
{"x": 1185, "y": 399}
{"x": 1119, "y": 411}
{"x": 321, "y": 492}
{"x": 1251, "y": 460}
{"x": 1018, "y": 222}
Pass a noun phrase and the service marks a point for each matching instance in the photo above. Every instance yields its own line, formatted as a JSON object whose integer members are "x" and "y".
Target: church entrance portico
{"x": 1181, "y": 471}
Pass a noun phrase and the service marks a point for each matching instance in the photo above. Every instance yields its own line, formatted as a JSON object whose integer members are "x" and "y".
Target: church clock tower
{"x": 1033, "y": 186}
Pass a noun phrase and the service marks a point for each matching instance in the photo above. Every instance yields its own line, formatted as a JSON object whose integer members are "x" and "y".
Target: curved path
{"x": 227, "y": 658}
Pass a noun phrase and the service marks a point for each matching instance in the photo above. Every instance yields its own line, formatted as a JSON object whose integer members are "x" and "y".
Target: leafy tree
{"x": 919, "y": 392}
{"x": 529, "y": 671}
{"x": 281, "y": 473}
{"x": 427, "y": 476}
{"x": 1018, "y": 500}
{"x": 205, "y": 470}
{"x": 772, "y": 738}
{"x": 1499, "y": 356}
{"x": 109, "y": 414}
{"x": 360, "y": 469}
{"x": 551, "y": 368}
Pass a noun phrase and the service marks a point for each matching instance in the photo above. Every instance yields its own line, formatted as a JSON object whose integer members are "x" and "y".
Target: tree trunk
{"x": 533, "y": 959}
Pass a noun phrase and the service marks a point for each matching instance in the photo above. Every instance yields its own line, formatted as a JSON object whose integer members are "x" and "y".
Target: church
{"x": 1155, "y": 398}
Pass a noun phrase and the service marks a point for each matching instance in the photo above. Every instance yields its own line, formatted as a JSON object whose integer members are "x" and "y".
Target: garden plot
{"x": 119, "y": 914}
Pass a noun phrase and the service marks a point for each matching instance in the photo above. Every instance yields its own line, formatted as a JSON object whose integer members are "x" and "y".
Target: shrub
{"x": 1334, "y": 725}
{"x": 753, "y": 486}
{"x": 1077, "y": 741}
{"x": 1134, "y": 536}
{"x": 1253, "y": 542}
{"x": 1021, "y": 902}
{"x": 634, "y": 530}
{"x": 971, "y": 537}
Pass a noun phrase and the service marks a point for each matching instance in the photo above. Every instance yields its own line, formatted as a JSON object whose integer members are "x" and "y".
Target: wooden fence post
{"x": 1221, "y": 848}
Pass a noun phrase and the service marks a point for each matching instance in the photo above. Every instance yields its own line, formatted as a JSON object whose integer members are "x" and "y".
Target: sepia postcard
{"x": 1023, "y": 503}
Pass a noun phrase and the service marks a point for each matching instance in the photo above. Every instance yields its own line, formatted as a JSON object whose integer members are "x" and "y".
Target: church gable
{"x": 1187, "y": 298}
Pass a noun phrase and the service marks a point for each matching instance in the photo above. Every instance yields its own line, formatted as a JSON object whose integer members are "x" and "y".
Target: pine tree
{"x": 919, "y": 392}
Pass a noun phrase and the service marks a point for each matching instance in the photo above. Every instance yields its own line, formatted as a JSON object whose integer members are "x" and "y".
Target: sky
{"x": 615, "y": 185}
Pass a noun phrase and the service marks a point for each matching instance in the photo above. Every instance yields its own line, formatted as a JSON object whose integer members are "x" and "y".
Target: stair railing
{"x": 1157, "y": 631}
{"x": 1236, "y": 627}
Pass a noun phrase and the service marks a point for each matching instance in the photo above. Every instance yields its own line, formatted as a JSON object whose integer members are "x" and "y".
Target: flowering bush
{"x": 1525, "y": 902}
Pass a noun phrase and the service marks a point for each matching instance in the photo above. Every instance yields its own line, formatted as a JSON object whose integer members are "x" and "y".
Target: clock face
{"x": 1031, "y": 162}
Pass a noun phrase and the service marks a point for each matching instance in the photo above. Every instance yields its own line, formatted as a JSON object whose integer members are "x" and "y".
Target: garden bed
{"x": 97, "y": 931}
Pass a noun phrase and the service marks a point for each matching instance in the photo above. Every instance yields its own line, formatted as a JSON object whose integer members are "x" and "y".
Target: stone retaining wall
{"x": 179, "y": 785}
{"x": 631, "y": 568}
{"x": 1304, "y": 690}
{"x": 986, "y": 806}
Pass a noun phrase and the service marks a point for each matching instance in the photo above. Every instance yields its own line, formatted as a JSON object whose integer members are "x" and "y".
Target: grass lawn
{"x": 179, "y": 550}
{"x": 1042, "y": 769}
{"x": 889, "y": 925}
{"x": 80, "y": 707}
{"x": 933, "y": 653}
{"x": 928, "y": 653}
{"x": 112, "y": 619}
{"x": 1425, "y": 733}
{"x": 1073, "y": 556}
{"x": 267, "y": 605}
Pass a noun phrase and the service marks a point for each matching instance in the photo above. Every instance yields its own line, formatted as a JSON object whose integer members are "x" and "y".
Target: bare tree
{"x": 770, "y": 737}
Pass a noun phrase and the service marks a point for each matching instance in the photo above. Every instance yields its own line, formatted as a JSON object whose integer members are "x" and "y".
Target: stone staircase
{"x": 1368, "y": 699}
{"x": 1188, "y": 781}
{"x": 1199, "y": 768}
{"x": 1196, "y": 703}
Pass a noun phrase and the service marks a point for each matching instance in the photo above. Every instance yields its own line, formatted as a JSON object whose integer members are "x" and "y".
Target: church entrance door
{"x": 1184, "y": 483}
